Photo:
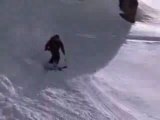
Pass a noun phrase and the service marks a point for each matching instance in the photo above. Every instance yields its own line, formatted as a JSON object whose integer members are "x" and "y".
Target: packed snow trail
{"x": 108, "y": 77}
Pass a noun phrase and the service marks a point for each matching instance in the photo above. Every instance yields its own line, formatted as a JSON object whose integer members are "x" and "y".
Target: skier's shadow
{"x": 90, "y": 45}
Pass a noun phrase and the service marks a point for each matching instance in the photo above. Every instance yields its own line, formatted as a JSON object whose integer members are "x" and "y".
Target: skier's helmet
{"x": 56, "y": 36}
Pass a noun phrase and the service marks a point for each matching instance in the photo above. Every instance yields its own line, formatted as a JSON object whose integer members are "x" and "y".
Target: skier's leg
{"x": 51, "y": 60}
{"x": 56, "y": 59}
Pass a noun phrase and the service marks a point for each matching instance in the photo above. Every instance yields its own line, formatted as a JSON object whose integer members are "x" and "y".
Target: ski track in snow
{"x": 113, "y": 74}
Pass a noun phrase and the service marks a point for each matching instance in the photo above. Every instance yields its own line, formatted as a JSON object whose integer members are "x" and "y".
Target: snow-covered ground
{"x": 113, "y": 71}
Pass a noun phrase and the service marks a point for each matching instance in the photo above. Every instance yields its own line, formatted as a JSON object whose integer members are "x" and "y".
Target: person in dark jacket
{"x": 54, "y": 45}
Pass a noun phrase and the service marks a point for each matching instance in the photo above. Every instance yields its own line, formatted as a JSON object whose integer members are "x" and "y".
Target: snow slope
{"x": 113, "y": 65}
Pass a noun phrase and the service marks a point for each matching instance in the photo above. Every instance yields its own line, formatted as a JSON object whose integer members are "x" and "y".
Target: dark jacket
{"x": 53, "y": 45}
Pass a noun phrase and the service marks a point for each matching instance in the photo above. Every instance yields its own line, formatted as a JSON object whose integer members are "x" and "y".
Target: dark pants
{"x": 54, "y": 58}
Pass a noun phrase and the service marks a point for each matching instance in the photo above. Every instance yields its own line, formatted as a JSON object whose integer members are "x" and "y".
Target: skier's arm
{"x": 47, "y": 45}
{"x": 62, "y": 48}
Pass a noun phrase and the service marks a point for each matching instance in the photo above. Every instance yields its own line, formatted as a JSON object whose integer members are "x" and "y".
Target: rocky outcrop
{"x": 129, "y": 9}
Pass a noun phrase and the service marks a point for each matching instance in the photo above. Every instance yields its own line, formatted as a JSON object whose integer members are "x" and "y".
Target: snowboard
{"x": 51, "y": 67}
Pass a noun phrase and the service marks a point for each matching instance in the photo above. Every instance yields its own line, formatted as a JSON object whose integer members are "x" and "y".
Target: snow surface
{"x": 113, "y": 69}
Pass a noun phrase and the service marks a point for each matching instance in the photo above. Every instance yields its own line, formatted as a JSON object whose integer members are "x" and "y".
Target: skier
{"x": 53, "y": 45}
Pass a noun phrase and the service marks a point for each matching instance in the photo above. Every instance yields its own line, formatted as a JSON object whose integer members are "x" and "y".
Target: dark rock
{"x": 129, "y": 9}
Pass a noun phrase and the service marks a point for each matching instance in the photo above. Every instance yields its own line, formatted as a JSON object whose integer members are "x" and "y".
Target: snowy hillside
{"x": 113, "y": 70}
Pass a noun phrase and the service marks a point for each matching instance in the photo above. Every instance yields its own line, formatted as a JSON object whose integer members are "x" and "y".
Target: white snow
{"x": 113, "y": 66}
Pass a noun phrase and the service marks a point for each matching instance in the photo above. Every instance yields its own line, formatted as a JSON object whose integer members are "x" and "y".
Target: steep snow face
{"x": 133, "y": 76}
{"x": 133, "y": 79}
{"x": 152, "y": 3}
{"x": 148, "y": 11}
{"x": 110, "y": 76}
{"x": 148, "y": 17}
